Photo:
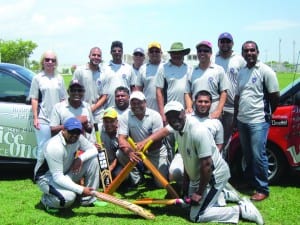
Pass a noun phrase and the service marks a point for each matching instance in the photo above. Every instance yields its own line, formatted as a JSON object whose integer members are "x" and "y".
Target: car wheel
{"x": 277, "y": 163}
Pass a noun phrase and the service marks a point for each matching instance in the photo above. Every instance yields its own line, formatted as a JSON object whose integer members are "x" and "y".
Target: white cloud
{"x": 273, "y": 25}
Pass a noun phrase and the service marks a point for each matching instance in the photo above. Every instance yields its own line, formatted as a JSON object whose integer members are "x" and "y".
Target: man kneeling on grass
{"x": 58, "y": 170}
{"x": 205, "y": 171}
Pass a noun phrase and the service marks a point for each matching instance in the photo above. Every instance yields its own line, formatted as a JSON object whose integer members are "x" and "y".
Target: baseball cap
{"x": 137, "y": 95}
{"x": 154, "y": 44}
{"x": 110, "y": 113}
{"x": 225, "y": 35}
{"x": 139, "y": 50}
{"x": 75, "y": 82}
{"x": 204, "y": 43}
{"x": 173, "y": 106}
{"x": 72, "y": 124}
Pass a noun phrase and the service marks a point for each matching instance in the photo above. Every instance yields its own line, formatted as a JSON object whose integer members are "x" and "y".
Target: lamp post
{"x": 279, "y": 51}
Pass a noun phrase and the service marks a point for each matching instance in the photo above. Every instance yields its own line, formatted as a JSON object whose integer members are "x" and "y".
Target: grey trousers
{"x": 56, "y": 196}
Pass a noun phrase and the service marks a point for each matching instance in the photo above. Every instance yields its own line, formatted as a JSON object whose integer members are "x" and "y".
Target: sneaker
{"x": 250, "y": 212}
{"x": 230, "y": 194}
{"x": 49, "y": 209}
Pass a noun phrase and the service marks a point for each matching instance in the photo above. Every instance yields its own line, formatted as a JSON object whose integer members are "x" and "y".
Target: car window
{"x": 11, "y": 89}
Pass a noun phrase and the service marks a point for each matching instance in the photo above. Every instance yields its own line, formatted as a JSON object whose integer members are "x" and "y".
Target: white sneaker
{"x": 231, "y": 194}
{"x": 250, "y": 212}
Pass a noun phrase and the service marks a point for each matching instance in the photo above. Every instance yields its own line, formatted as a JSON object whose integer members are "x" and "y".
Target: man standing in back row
{"x": 232, "y": 64}
{"x": 256, "y": 99}
{"x": 89, "y": 76}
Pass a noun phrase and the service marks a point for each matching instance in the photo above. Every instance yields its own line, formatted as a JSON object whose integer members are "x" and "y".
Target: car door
{"x": 17, "y": 137}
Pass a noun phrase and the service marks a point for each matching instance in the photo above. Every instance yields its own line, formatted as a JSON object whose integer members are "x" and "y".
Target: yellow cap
{"x": 110, "y": 113}
{"x": 154, "y": 44}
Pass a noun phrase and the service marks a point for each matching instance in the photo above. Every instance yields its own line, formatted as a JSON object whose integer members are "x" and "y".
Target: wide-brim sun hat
{"x": 178, "y": 47}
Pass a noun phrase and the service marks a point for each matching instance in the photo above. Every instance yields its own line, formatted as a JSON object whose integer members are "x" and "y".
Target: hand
{"x": 134, "y": 156}
{"x": 195, "y": 199}
{"x": 215, "y": 114}
{"x": 36, "y": 124}
{"x": 189, "y": 110}
{"x": 76, "y": 166}
{"x": 88, "y": 191}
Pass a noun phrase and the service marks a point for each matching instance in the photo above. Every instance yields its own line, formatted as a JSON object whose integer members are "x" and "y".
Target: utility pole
{"x": 294, "y": 51}
{"x": 279, "y": 51}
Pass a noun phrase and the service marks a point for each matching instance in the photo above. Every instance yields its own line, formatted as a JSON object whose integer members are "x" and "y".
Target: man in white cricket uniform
{"x": 206, "y": 172}
{"x": 58, "y": 170}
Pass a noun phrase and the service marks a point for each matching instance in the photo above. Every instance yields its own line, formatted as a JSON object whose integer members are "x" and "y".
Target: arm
{"x": 156, "y": 136}
{"x": 160, "y": 103}
{"x": 188, "y": 102}
{"x": 236, "y": 111}
{"x": 217, "y": 113}
{"x": 205, "y": 167}
{"x": 101, "y": 101}
{"x": 126, "y": 148}
{"x": 34, "y": 106}
{"x": 274, "y": 100}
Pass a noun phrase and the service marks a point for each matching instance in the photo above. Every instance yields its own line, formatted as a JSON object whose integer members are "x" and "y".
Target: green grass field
{"x": 283, "y": 78}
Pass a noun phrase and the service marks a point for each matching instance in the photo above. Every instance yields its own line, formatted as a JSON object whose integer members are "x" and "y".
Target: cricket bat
{"x": 105, "y": 174}
{"x": 124, "y": 173}
{"x": 155, "y": 172}
{"x": 148, "y": 201}
{"x": 138, "y": 210}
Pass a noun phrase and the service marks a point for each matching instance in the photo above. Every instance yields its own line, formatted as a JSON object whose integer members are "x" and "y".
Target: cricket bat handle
{"x": 125, "y": 204}
{"x": 163, "y": 181}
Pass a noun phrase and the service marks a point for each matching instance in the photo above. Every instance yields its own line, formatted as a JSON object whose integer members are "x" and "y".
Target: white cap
{"x": 137, "y": 95}
{"x": 173, "y": 106}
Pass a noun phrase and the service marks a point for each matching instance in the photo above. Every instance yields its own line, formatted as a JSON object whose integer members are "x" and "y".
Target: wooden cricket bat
{"x": 105, "y": 174}
{"x": 155, "y": 172}
{"x": 124, "y": 173}
{"x": 148, "y": 201}
{"x": 138, "y": 210}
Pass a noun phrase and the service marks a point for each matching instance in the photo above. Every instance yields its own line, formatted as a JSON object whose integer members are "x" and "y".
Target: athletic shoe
{"x": 250, "y": 212}
{"x": 230, "y": 194}
{"x": 49, "y": 209}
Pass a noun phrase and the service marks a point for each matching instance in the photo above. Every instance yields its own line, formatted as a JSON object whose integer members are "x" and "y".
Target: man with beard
{"x": 90, "y": 76}
{"x": 58, "y": 170}
{"x": 139, "y": 123}
{"x": 121, "y": 100}
{"x": 256, "y": 99}
{"x": 73, "y": 107}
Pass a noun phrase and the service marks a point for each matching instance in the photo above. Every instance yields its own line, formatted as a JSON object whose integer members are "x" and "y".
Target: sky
{"x": 72, "y": 27}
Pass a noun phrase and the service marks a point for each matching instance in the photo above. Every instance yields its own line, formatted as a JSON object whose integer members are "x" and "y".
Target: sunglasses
{"x": 154, "y": 51}
{"x": 138, "y": 54}
{"x": 76, "y": 90}
{"x": 249, "y": 50}
{"x": 74, "y": 132}
{"x": 49, "y": 59}
{"x": 227, "y": 41}
{"x": 203, "y": 50}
